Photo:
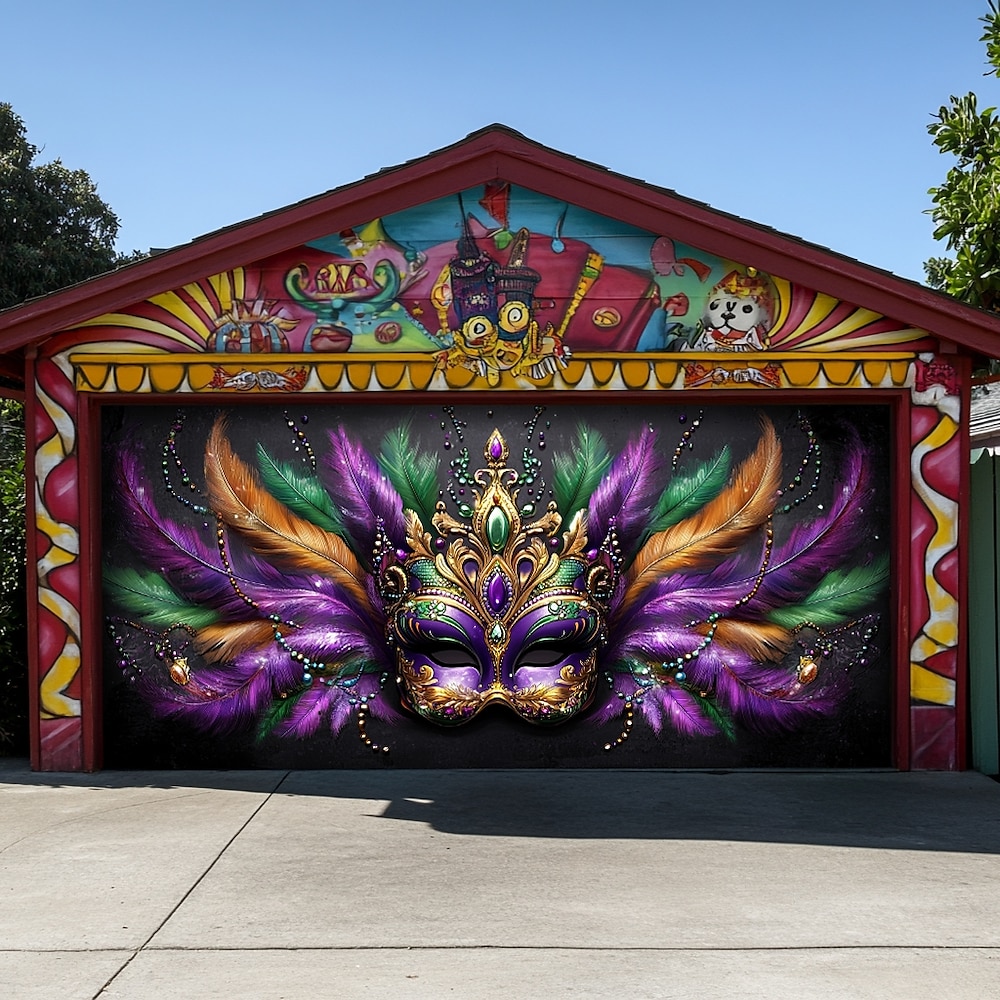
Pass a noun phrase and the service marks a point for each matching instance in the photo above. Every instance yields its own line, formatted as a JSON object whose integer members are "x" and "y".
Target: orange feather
{"x": 720, "y": 527}
{"x": 269, "y": 527}
{"x": 759, "y": 640}
{"x": 225, "y": 641}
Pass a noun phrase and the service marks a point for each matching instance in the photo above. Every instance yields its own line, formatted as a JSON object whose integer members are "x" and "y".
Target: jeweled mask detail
{"x": 497, "y": 609}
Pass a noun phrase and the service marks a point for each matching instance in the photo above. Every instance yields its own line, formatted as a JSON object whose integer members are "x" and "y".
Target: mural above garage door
{"x": 507, "y": 285}
{"x": 306, "y": 585}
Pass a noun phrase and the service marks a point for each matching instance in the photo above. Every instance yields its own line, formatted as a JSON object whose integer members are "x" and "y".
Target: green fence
{"x": 984, "y": 622}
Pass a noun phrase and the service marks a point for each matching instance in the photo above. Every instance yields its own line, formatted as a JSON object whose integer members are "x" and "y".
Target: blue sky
{"x": 806, "y": 116}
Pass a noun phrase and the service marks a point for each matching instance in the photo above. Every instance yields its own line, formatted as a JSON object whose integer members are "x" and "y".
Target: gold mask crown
{"x": 496, "y": 562}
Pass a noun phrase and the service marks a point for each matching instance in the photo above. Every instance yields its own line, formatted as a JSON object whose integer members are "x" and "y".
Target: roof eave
{"x": 500, "y": 153}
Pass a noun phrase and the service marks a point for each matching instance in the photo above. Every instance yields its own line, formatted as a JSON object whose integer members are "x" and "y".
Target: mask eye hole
{"x": 452, "y": 656}
{"x": 542, "y": 656}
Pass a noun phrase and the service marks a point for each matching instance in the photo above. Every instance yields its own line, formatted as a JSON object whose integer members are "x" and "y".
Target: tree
{"x": 13, "y": 626}
{"x": 54, "y": 228}
{"x": 54, "y": 231}
{"x": 966, "y": 208}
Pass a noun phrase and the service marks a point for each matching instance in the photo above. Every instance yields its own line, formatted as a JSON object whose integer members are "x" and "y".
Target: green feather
{"x": 689, "y": 492}
{"x": 276, "y": 713}
{"x": 301, "y": 494}
{"x": 575, "y": 477}
{"x": 706, "y": 703}
{"x": 841, "y": 594}
{"x": 355, "y": 666}
{"x": 711, "y": 708}
{"x": 152, "y": 600}
{"x": 413, "y": 473}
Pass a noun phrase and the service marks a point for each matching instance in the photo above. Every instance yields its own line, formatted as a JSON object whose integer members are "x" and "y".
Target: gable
{"x": 496, "y": 156}
{"x": 502, "y": 277}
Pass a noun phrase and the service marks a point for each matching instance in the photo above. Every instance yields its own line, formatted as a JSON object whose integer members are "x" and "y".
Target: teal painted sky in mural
{"x": 806, "y": 117}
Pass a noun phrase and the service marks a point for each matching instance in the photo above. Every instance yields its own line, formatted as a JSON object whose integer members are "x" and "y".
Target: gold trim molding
{"x": 310, "y": 373}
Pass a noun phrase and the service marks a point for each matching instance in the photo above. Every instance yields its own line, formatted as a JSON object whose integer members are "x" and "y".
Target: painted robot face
{"x": 496, "y": 610}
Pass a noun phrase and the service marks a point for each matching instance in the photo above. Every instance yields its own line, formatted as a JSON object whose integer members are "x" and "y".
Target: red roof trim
{"x": 498, "y": 152}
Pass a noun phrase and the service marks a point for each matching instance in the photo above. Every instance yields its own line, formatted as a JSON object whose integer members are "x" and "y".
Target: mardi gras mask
{"x": 495, "y": 609}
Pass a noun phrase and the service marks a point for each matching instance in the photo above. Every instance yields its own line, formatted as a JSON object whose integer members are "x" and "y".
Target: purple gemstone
{"x": 497, "y": 592}
{"x": 496, "y": 449}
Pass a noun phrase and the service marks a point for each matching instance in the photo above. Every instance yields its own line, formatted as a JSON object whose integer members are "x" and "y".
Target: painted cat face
{"x": 498, "y": 611}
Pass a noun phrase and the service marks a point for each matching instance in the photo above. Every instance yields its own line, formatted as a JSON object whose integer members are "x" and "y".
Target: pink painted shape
{"x": 923, "y": 419}
{"x": 946, "y": 573}
{"x": 61, "y": 745}
{"x": 932, "y": 740}
{"x": 921, "y": 530}
{"x": 61, "y": 494}
{"x": 941, "y": 468}
{"x": 51, "y": 638}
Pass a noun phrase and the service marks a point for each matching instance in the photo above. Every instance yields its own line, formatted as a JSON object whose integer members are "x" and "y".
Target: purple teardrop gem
{"x": 496, "y": 449}
{"x": 497, "y": 592}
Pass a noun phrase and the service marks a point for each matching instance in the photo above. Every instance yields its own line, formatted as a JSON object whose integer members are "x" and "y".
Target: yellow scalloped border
{"x": 171, "y": 373}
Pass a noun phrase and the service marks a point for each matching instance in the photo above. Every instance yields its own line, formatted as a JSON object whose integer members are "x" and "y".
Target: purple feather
{"x": 322, "y": 603}
{"x": 362, "y": 493}
{"x": 318, "y": 702}
{"x": 335, "y": 643}
{"x": 658, "y": 644}
{"x": 673, "y": 704}
{"x": 628, "y": 493}
{"x": 624, "y": 684}
{"x": 195, "y": 567}
{"x": 685, "y": 597}
{"x": 306, "y": 715}
{"x": 767, "y": 698}
{"x": 815, "y": 547}
{"x": 190, "y": 563}
{"x": 226, "y": 697}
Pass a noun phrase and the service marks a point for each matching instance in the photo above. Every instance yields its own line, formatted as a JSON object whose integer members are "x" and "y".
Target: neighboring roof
{"x": 984, "y": 416}
{"x": 497, "y": 152}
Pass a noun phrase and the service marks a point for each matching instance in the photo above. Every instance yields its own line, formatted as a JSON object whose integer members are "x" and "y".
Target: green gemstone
{"x": 497, "y": 529}
{"x": 496, "y": 633}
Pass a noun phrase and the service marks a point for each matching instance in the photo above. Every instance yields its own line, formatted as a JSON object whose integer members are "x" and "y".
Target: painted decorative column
{"x": 936, "y": 461}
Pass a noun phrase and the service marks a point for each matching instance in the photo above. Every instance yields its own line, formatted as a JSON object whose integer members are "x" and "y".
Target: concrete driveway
{"x": 480, "y": 884}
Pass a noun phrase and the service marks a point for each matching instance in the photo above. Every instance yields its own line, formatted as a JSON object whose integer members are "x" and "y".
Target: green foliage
{"x": 13, "y": 627}
{"x": 54, "y": 228}
{"x": 966, "y": 210}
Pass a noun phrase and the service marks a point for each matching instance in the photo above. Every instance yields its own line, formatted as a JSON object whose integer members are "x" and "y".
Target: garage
{"x": 497, "y": 459}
